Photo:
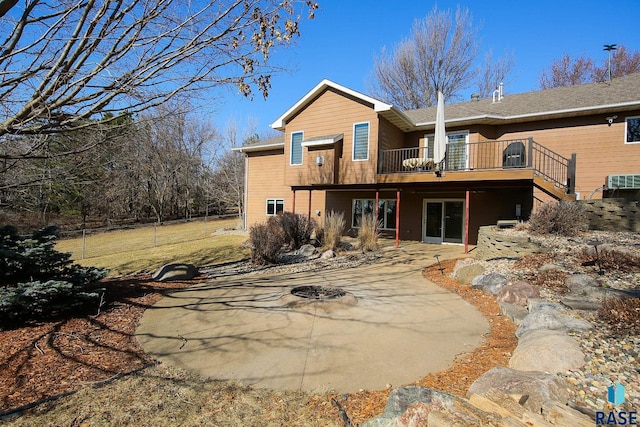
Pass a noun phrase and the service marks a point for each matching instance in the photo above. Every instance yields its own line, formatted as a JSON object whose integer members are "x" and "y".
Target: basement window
{"x": 386, "y": 212}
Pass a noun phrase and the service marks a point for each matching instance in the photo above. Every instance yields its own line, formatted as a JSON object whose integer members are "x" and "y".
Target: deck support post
{"x": 377, "y": 208}
{"x": 466, "y": 222}
{"x": 398, "y": 219}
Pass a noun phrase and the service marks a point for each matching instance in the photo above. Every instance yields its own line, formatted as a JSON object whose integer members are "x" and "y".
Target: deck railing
{"x": 488, "y": 155}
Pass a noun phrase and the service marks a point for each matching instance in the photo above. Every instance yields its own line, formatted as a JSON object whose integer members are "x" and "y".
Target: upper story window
{"x": 296, "y": 148}
{"x": 632, "y": 133}
{"x": 361, "y": 141}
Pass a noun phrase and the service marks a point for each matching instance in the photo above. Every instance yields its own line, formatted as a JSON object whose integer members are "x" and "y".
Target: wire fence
{"x": 92, "y": 243}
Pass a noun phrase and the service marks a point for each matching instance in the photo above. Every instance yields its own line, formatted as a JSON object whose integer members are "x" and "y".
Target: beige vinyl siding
{"x": 265, "y": 176}
{"x": 600, "y": 148}
{"x": 333, "y": 112}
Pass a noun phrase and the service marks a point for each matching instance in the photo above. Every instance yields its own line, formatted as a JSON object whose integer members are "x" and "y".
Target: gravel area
{"x": 611, "y": 354}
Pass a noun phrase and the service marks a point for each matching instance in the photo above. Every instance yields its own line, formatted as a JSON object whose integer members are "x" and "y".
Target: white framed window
{"x": 296, "y": 147}
{"x": 632, "y": 130}
{"x": 361, "y": 141}
{"x": 386, "y": 212}
{"x": 275, "y": 206}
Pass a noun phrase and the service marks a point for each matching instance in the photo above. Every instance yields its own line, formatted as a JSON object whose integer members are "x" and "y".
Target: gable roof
{"x": 620, "y": 94}
{"x": 388, "y": 111}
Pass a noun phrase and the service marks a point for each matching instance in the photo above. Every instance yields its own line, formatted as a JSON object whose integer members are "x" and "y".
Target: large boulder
{"x": 585, "y": 286}
{"x": 547, "y": 351}
{"x": 490, "y": 283}
{"x": 540, "y": 387}
{"x": 307, "y": 250}
{"x": 176, "y": 271}
{"x": 513, "y": 312}
{"x": 410, "y": 403}
{"x": 466, "y": 273}
{"x": 550, "y": 316}
{"x": 517, "y": 293}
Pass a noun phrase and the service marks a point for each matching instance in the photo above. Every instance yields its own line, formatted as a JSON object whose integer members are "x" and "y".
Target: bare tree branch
{"x": 63, "y": 63}
{"x": 438, "y": 55}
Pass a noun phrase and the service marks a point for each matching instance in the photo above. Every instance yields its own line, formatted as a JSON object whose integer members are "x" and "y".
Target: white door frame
{"x": 442, "y": 201}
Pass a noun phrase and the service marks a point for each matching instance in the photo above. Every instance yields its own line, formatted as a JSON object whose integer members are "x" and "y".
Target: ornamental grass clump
{"x": 332, "y": 230}
{"x": 368, "y": 233}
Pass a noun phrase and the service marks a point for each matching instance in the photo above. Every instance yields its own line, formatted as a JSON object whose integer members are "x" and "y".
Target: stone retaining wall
{"x": 612, "y": 215}
{"x": 492, "y": 243}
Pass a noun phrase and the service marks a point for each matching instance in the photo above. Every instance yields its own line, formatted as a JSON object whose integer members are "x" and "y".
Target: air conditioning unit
{"x": 622, "y": 182}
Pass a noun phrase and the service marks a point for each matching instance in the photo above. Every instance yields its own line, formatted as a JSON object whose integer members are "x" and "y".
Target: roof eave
{"x": 251, "y": 149}
{"x": 542, "y": 115}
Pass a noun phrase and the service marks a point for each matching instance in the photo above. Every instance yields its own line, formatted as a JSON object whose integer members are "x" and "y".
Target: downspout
{"x": 398, "y": 219}
{"x": 293, "y": 207}
{"x": 309, "y": 216}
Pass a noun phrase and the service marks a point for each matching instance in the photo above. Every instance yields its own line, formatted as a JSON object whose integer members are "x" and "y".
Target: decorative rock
{"x": 585, "y": 286}
{"x": 547, "y": 351}
{"x": 490, "y": 283}
{"x": 328, "y": 254}
{"x": 307, "y": 250}
{"x": 462, "y": 263}
{"x": 533, "y": 304}
{"x": 539, "y": 386}
{"x": 546, "y": 316}
{"x": 467, "y": 273}
{"x": 517, "y": 293}
{"x": 513, "y": 312}
{"x": 171, "y": 272}
{"x": 401, "y": 399}
{"x": 346, "y": 246}
{"x": 550, "y": 267}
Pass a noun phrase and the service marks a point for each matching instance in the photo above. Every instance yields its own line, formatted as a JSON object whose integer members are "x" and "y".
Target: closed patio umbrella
{"x": 440, "y": 138}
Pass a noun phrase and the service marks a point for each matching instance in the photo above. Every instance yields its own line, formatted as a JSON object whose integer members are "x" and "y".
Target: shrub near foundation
{"x": 561, "y": 218}
{"x": 267, "y": 241}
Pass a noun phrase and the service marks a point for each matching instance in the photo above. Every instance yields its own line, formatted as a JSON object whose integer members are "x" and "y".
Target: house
{"x": 342, "y": 150}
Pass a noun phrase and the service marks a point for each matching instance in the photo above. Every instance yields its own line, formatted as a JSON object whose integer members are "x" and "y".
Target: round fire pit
{"x": 317, "y": 292}
{"x": 318, "y": 297}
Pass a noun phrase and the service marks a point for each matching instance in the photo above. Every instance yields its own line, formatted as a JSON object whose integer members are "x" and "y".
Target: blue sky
{"x": 341, "y": 42}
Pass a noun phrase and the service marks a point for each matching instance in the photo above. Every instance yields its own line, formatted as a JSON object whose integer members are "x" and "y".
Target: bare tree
{"x": 64, "y": 62}
{"x": 494, "y": 73}
{"x": 438, "y": 55}
{"x": 568, "y": 70}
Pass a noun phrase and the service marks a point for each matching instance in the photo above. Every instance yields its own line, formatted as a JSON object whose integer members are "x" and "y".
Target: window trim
{"x": 301, "y": 149}
{"x": 353, "y": 142}
{"x": 275, "y": 206}
{"x": 626, "y": 129}
{"x": 384, "y": 201}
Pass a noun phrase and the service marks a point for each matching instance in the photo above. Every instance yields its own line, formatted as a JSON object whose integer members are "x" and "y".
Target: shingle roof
{"x": 267, "y": 144}
{"x": 620, "y": 94}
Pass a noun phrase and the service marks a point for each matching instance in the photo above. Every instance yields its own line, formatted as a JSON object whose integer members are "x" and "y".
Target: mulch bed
{"x": 49, "y": 359}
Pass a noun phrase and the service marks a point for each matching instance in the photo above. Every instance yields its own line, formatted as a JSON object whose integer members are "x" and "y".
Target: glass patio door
{"x": 443, "y": 221}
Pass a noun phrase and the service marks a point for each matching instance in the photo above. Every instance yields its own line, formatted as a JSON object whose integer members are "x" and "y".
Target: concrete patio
{"x": 241, "y": 328}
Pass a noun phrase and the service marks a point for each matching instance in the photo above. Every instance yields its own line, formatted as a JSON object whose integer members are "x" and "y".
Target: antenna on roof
{"x": 609, "y": 48}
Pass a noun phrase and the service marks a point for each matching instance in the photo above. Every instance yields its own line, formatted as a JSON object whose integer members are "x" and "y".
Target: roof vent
{"x": 497, "y": 94}
{"x": 475, "y": 97}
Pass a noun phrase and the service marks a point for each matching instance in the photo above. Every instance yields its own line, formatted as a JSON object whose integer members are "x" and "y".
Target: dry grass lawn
{"x": 132, "y": 251}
